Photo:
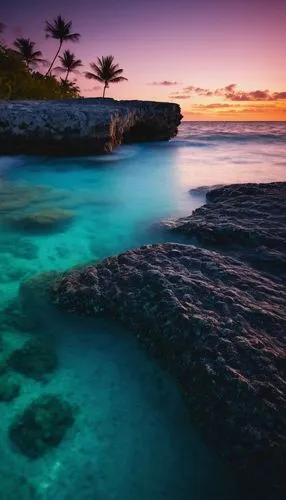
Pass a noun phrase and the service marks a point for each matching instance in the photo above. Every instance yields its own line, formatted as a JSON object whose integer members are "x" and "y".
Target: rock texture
{"x": 247, "y": 220}
{"x": 83, "y": 126}
{"x": 42, "y": 425}
{"x": 219, "y": 326}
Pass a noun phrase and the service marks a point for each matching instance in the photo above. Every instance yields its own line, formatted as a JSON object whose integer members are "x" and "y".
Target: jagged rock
{"x": 34, "y": 359}
{"x": 83, "y": 126}
{"x": 9, "y": 387}
{"x": 248, "y": 220}
{"x": 42, "y": 221}
{"x": 218, "y": 325}
{"x": 42, "y": 425}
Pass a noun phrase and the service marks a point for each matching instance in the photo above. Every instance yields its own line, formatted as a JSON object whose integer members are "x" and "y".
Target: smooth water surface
{"x": 132, "y": 438}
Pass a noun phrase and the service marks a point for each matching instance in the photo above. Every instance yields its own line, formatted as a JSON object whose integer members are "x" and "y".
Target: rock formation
{"x": 34, "y": 359}
{"x": 246, "y": 220}
{"x": 216, "y": 322}
{"x": 83, "y": 126}
{"x": 42, "y": 425}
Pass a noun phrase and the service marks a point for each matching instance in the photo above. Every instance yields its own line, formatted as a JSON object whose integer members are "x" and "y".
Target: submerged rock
{"x": 83, "y": 126}
{"x": 34, "y": 359}
{"x": 42, "y": 425}
{"x": 248, "y": 220}
{"x": 9, "y": 387}
{"x": 218, "y": 325}
{"x": 42, "y": 221}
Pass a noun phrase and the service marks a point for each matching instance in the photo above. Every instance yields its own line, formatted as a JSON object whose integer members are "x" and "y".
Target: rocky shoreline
{"x": 216, "y": 321}
{"x": 83, "y": 126}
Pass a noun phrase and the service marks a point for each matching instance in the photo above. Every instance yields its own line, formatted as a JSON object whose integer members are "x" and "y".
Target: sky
{"x": 219, "y": 59}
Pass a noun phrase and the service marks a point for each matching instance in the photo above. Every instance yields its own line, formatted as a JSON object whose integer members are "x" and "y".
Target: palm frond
{"x": 118, "y": 79}
{"x": 60, "y": 29}
{"x": 92, "y": 76}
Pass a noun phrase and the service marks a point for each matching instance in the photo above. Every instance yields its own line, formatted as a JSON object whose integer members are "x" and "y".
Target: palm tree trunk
{"x": 104, "y": 89}
{"x": 53, "y": 61}
{"x": 68, "y": 72}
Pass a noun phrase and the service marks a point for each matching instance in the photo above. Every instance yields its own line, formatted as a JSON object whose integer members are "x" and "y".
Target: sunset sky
{"x": 219, "y": 59}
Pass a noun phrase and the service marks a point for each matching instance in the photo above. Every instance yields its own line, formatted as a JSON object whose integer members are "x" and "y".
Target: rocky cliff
{"x": 83, "y": 126}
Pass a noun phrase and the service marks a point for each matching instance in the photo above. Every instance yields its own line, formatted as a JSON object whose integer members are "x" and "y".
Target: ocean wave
{"x": 236, "y": 132}
{"x": 235, "y": 137}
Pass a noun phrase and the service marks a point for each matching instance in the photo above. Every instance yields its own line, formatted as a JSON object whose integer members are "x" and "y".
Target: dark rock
{"x": 9, "y": 387}
{"x": 219, "y": 327}
{"x": 83, "y": 126}
{"x": 247, "y": 220}
{"x": 34, "y": 359}
{"x": 42, "y": 221}
{"x": 42, "y": 425}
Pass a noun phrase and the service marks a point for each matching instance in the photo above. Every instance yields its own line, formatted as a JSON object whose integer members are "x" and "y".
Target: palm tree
{"x": 60, "y": 30}
{"x": 25, "y": 49}
{"x": 105, "y": 71}
{"x": 69, "y": 63}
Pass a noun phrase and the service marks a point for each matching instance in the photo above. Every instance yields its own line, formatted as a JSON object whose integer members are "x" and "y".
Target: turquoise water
{"x": 132, "y": 437}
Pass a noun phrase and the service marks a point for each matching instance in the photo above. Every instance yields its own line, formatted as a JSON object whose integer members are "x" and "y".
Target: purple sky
{"x": 203, "y": 43}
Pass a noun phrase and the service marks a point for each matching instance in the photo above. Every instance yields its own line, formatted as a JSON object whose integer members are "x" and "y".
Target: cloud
{"x": 95, "y": 87}
{"x": 178, "y": 95}
{"x": 279, "y": 95}
{"x": 197, "y": 91}
{"x": 215, "y": 105}
{"x": 164, "y": 83}
{"x": 231, "y": 93}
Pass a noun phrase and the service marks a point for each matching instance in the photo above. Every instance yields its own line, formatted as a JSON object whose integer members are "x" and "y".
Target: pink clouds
{"x": 230, "y": 93}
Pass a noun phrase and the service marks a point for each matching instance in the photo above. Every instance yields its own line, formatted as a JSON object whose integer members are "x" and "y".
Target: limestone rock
{"x": 219, "y": 326}
{"x": 83, "y": 126}
{"x": 246, "y": 220}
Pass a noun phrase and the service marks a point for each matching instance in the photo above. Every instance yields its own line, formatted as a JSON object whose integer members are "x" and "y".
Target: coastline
{"x": 38, "y": 184}
{"x": 83, "y": 127}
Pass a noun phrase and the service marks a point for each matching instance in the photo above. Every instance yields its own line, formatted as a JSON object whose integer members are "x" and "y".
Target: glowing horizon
{"x": 167, "y": 47}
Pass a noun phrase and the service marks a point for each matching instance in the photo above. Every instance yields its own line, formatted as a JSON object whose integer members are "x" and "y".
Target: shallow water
{"x": 132, "y": 437}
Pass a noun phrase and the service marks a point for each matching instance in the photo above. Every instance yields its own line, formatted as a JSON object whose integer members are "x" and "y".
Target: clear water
{"x": 132, "y": 438}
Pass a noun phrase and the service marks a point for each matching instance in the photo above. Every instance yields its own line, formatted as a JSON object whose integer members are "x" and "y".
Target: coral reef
{"x": 42, "y": 221}
{"x": 35, "y": 359}
{"x": 42, "y": 425}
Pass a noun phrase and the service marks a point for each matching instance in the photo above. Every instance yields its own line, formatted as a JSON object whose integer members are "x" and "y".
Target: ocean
{"x": 132, "y": 437}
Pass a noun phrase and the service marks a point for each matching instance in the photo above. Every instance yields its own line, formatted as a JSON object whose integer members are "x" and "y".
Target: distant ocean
{"x": 132, "y": 438}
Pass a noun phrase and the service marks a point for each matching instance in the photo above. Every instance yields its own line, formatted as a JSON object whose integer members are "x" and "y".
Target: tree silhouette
{"x": 60, "y": 30}
{"x": 68, "y": 63}
{"x": 106, "y": 72}
{"x": 25, "y": 49}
